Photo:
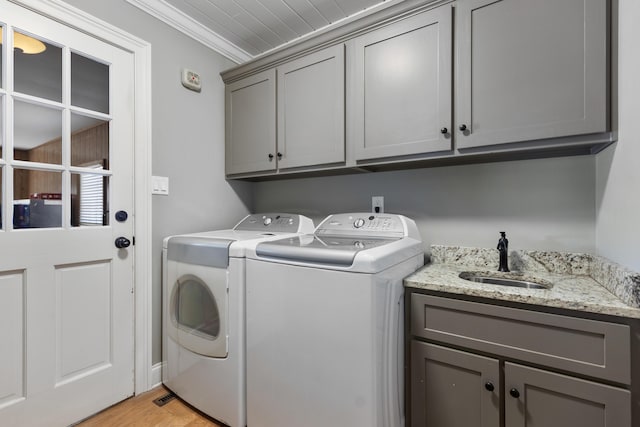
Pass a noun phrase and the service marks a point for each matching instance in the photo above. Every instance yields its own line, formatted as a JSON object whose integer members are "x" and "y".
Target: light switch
{"x": 160, "y": 185}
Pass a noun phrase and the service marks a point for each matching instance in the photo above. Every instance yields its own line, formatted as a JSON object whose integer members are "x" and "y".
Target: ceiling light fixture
{"x": 26, "y": 44}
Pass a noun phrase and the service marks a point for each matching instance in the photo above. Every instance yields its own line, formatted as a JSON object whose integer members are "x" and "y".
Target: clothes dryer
{"x": 325, "y": 323}
{"x": 204, "y": 309}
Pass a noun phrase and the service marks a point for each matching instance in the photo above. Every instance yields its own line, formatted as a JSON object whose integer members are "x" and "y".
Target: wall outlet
{"x": 377, "y": 204}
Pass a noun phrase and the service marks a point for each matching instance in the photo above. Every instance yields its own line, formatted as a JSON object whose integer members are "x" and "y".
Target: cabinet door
{"x": 530, "y": 70}
{"x": 401, "y": 78}
{"x": 537, "y": 398}
{"x": 453, "y": 388}
{"x": 250, "y": 122}
{"x": 311, "y": 109}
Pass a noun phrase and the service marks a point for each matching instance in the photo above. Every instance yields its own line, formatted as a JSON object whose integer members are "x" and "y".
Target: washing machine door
{"x": 198, "y": 297}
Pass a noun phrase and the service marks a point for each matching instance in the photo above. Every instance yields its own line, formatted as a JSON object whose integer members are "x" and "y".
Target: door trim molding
{"x": 82, "y": 21}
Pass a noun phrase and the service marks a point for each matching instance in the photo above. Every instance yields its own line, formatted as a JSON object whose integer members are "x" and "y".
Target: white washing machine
{"x": 204, "y": 308}
{"x": 325, "y": 323}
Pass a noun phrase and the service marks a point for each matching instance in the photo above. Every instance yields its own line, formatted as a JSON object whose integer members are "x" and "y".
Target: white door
{"x": 66, "y": 291}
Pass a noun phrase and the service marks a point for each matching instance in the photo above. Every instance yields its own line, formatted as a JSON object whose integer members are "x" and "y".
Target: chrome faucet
{"x": 503, "y": 248}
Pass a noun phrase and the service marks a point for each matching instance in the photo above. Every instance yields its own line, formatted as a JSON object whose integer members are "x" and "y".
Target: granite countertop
{"x": 580, "y": 282}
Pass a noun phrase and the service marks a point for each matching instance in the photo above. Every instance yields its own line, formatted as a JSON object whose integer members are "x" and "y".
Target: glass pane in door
{"x": 37, "y": 199}
{"x": 37, "y": 133}
{"x": 89, "y": 141}
{"x": 1, "y": 55}
{"x": 89, "y": 84}
{"x": 1, "y": 195}
{"x": 37, "y": 67}
{"x": 89, "y": 199}
{"x": 1, "y": 121}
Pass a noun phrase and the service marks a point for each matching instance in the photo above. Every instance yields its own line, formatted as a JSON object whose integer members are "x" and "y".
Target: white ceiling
{"x": 244, "y": 29}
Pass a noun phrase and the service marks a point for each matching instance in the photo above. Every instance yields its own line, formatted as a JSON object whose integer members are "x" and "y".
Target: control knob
{"x": 267, "y": 221}
{"x": 358, "y": 223}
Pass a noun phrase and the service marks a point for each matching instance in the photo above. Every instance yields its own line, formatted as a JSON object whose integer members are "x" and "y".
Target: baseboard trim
{"x": 156, "y": 375}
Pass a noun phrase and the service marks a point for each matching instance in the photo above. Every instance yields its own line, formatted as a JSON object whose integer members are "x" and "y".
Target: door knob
{"x": 279, "y": 155}
{"x": 444, "y": 131}
{"x": 514, "y": 393}
{"x": 122, "y": 242}
{"x": 462, "y": 127}
{"x": 489, "y": 386}
{"x": 270, "y": 156}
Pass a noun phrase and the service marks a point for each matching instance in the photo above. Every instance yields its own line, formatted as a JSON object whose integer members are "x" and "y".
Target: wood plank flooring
{"x": 140, "y": 411}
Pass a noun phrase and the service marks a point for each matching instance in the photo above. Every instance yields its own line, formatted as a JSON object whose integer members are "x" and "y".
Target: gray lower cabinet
{"x": 538, "y": 398}
{"x": 452, "y": 388}
{"x": 400, "y": 87}
{"x": 457, "y": 387}
{"x": 250, "y": 124}
{"x": 530, "y": 70}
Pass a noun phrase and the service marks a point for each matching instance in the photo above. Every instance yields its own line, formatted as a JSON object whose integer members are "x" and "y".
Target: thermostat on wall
{"x": 191, "y": 80}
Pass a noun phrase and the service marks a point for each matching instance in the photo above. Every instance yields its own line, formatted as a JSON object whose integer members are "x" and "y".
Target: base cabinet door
{"x": 537, "y": 398}
{"x": 452, "y": 388}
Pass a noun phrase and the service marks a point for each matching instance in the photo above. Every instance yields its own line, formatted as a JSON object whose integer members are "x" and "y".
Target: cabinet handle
{"x": 514, "y": 393}
{"x": 462, "y": 127}
{"x": 489, "y": 386}
{"x": 270, "y": 156}
{"x": 279, "y": 155}
{"x": 444, "y": 131}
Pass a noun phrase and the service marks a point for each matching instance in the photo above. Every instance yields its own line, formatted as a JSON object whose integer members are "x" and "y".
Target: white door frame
{"x": 82, "y": 21}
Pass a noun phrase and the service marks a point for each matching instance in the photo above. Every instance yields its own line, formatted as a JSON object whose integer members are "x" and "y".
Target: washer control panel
{"x": 382, "y": 225}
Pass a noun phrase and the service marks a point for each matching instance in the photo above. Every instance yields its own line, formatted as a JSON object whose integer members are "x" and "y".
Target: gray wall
{"x": 541, "y": 204}
{"x": 618, "y": 170}
{"x": 188, "y": 137}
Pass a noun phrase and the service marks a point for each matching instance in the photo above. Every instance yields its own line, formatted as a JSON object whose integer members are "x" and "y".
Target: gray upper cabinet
{"x": 423, "y": 83}
{"x": 250, "y": 124}
{"x": 530, "y": 70}
{"x": 400, "y": 87}
{"x": 311, "y": 109}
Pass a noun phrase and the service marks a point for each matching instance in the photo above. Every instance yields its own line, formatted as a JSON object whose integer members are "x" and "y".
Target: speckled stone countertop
{"x": 580, "y": 282}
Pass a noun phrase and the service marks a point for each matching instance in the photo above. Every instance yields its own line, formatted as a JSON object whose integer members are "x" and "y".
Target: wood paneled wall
{"x": 88, "y": 146}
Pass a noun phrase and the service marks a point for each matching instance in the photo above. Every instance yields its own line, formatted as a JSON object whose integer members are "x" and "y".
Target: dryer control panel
{"x": 275, "y": 223}
{"x": 363, "y": 224}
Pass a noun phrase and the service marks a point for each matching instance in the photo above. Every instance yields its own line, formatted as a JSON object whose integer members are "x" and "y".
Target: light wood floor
{"x": 140, "y": 411}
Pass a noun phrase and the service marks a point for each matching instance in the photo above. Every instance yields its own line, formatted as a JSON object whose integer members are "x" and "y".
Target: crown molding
{"x": 185, "y": 24}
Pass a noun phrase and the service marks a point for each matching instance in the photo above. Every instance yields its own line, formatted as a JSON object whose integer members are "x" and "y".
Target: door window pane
{"x": 37, "y": 199}
{"x": 89, "y": 84}
{"x": 1, "y": 195}
{"x": 1, "y": 122}
{"x": 37, "y": 67}
{"x": 1, "y": 55}
{"x": 37, "y": 133}
{"x": 89, "y": 199}
{"x": 89, "y": 141}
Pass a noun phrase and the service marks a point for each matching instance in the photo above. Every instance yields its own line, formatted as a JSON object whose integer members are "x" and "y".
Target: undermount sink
{"x": 505, "y": 279}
